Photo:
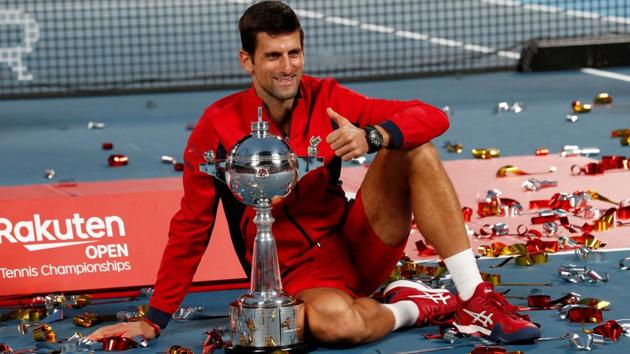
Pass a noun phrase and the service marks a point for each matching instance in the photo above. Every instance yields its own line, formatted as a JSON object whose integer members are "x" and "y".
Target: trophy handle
{"x": 213, "y": 166}
{"x": 311, "y": 161}
{"x": 216, "y": 167}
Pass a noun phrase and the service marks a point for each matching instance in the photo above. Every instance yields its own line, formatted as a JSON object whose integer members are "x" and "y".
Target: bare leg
{"x": 335, "y": 318}
{"x": 399, "y": 183}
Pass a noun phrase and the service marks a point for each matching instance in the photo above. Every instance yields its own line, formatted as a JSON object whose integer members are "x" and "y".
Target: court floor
{"x": 52, "y": 134}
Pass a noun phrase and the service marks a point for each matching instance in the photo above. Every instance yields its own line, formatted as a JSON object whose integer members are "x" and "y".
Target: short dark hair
{"x": 271, "y": 17}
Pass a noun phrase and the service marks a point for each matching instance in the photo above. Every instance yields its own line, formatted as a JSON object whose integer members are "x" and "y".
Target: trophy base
{"x": 299, "y": 348}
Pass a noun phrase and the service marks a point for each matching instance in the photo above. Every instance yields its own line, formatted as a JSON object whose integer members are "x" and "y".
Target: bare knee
{"x": 425, "y": 153}
{"x": 335, "y": 322}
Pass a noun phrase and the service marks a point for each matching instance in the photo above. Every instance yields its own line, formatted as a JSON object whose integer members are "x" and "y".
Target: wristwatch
{"x": 374, "y": 138}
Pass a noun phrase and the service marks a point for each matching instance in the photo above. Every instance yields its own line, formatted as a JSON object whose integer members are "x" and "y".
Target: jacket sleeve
{"x": 409, "y": 123}
{"x": 189, "y": 232}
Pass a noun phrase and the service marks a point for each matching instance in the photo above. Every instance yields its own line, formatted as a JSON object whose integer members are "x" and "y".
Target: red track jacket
{"x": 315, "y": 207}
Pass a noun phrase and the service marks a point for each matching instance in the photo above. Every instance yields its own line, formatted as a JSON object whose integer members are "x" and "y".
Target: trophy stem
{"x": 266, "y": 283}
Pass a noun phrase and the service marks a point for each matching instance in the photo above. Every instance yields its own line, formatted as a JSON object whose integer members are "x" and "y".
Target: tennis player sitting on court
{"x": 333, "y": 252}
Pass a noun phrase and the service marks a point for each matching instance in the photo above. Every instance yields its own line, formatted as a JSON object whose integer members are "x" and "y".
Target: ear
{"x": 246, "y": 61}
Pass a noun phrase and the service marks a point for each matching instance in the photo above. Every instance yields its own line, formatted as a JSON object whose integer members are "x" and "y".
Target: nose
{"x": 286, "y": 65}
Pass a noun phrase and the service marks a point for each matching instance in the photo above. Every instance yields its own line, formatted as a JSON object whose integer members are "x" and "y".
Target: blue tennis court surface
{"x": 52, "y": 133}
{"x": 71, "y": 48}
{"x": 192, "y": 333}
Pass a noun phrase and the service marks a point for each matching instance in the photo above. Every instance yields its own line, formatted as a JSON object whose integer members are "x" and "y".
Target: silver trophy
{"x": 260, "y": 167}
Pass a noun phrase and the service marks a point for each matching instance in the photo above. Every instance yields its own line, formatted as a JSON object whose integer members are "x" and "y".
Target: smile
{"x": 285, "y": 81}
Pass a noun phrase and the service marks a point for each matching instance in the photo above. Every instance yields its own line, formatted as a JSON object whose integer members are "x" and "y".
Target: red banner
{"x": 96, "y": 235}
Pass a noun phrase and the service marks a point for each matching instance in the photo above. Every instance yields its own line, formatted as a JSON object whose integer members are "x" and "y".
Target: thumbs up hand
{"x": 347, "y": 141}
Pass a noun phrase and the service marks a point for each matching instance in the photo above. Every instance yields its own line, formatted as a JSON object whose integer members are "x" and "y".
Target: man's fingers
{"x": 344, "y": 150}
{"x": 338, "y": 118}
{"x": 107, "y": 331}
{"x": 349, "y": 156}
{"x": 341, "y": 142}
{"x": 330, "y": 138}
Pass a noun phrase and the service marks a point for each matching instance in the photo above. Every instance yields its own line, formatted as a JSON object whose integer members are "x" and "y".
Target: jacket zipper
{"x": 300, "y": 229}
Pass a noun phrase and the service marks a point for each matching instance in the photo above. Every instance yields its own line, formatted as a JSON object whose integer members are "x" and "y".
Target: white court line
{"x": 553, "y": 9}
{"x": 617, "y": 19}
{"x": 503, "y": 2}
{"x": 583, "y": 14}
{"x": 446, "y": 42}
{"x": 309, "y": 14}
{"x": 478, "y": 48}
{"x": 342, "y": 21}
{"x": 606, "y": 74}
{"x": 405, "y": 34}
{"x": 413, "y": 35}
{"x": 511, "y": 55}
{"x": 377, "y": 28}
{"x": 542, "y": 8}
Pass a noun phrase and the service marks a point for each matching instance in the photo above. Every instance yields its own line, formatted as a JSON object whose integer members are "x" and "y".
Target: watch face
{"x": 375, "y": 138}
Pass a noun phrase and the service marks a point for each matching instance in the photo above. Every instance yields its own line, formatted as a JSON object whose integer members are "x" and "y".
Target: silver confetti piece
{"x": 49, "y": 173}
{"x": 581, "y": 341}
{"x": 534, "y": 185}
{"x": 502, "y": 107}
{"x": 577, "y": 274}
{"x": 550, "y": 227}
{"x": 143, "y": 343}
{"x": 625, "y": 325}
{"x": 587, "y": 254}
{"x": 517, "y": 107}
{"x": 493, "y": 193}
{"x": 563, "y": 240}
{"x": 572, "y": 118}
{"x": 624, "y": 264}
{"x": 168, "y": 159}
{"x": 574, "y": 150}
{"x": 95, "y": 125}
{"x": 359, "y": 160}
{"x": 53, "y": 315}
{"x": 188, "y": 313}
{"x": 53, "y": 301}
{"x": 595, "y": 277}
{"x": 500, "y": 229}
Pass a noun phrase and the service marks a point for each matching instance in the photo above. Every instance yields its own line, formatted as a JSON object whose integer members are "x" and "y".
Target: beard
{"x": 282, "y": 95}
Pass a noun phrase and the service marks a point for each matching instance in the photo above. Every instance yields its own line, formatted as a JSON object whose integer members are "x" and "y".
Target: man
{"x": 332, "y": 253}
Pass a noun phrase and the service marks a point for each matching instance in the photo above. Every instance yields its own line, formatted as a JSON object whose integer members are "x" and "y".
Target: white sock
{"x": 405, "y": 313}
{"x": 464, "y": 272}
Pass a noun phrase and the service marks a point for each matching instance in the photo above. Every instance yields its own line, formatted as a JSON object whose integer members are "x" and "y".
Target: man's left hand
{"x": 347, "y": 141}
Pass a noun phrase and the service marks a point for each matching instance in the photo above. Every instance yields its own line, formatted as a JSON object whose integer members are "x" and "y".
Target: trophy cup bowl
{"x": 258, "y": 169}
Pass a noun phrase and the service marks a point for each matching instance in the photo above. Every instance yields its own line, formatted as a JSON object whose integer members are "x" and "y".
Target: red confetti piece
{"x": 610, "y": 329}
{"x": 424, "y": 250}
{"x": 541, "y": 152}
{"x": 111, "y": 344}
{"x": 118, "y": 160}
{"x": 540, "y": 301}
{"x": 585, "y": 315}
{"x": 467, "y": 212}
{"x": 620, "y": 133}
